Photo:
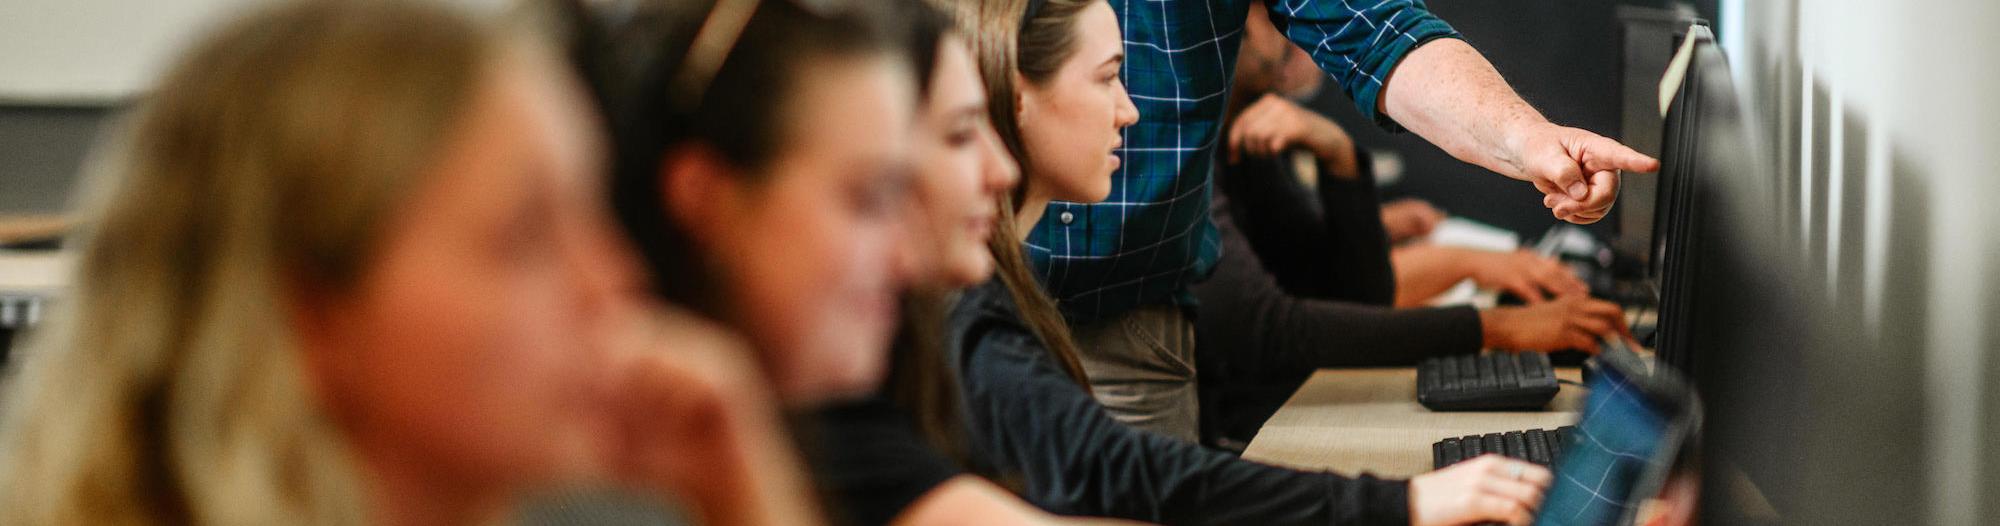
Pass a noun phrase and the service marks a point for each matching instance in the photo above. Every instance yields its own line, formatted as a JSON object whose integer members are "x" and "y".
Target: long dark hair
{"x": 630, "y": 56}
{"x": 920, "y": 379}
{"x": 1004, "y": 44}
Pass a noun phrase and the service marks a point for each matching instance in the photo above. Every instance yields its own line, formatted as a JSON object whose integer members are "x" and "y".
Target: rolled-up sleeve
{"x": 1359, "y": 42}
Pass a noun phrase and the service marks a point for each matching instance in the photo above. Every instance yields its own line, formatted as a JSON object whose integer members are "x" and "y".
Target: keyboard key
{"x": 1564, "y": 437}
{"x": 1448, "y": 452}
{"x": 1427, "y": 379}
{"x": 1447, "y": 374}
{"x": 1538, "y": 447}
{"x": 1507, "y": 368}
{"x": 1517, "y": 447}
{"x": 1494, "y": 444}
{"x": 1468, "y": 372}
{"x": 1486, "y": 378}
{"x": 1473, "y": 447}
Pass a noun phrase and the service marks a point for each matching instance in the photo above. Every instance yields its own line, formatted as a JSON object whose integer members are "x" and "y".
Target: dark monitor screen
{"x": 1702, "y": 147}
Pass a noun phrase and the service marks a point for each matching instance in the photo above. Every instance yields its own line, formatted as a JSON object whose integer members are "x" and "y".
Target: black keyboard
{"x": 18, "y": 311}
{"x": 1486, "y": 382}
{"x": 1539, "y": 446}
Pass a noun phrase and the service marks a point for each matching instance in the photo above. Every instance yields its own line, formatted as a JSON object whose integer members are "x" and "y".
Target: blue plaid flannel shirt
{"x": 1152, "y": 238}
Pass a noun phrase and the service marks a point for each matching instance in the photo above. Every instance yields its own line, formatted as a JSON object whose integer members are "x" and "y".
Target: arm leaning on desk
{"x": 1353, "y": 420}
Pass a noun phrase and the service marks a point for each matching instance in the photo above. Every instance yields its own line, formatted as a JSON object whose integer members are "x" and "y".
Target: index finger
{"x": 1602, "y": 154}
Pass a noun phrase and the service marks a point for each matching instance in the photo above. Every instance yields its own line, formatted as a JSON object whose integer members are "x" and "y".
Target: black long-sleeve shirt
{"x": 869, "y": 461}
{"x": 1302, "y": 285}
{"x": 1034, "y": 424}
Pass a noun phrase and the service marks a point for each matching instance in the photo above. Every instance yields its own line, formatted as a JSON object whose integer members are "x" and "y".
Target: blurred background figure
{"x": 348, "y": 264}
{"x": 826, "y": 167}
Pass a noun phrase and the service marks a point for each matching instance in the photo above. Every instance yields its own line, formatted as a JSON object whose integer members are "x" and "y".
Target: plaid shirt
{"x": 1152, "y": 238}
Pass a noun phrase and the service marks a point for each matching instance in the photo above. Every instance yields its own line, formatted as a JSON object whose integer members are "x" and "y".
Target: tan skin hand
{"x": 1409, "y": 218}
{"x": 1565, "y": 323}
{"x": 1490, "y": 488}
{"x": 1532, "y": 277}
{"x": 1273, "y": 125}
{"x": 1565, "y": 163}
{"x": 1448, "y": 93}
{"x": 696, "y": 420}
{"x": 1424, "y": 271}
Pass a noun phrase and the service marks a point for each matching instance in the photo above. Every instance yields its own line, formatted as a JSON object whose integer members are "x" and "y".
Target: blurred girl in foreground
{"x": 347, "y": 265}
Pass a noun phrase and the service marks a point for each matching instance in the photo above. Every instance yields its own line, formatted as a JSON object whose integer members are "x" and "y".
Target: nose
{"x": 1001, "y": 171}
{"x": 1127, "y": 114}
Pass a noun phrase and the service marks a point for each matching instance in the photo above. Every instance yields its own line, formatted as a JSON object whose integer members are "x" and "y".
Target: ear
{"x": 1021, "y": 98}
{"x": 701, "y": 194}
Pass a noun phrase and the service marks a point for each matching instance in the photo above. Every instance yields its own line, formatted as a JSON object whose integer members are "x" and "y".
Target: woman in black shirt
{"x": 1029, "y": 411}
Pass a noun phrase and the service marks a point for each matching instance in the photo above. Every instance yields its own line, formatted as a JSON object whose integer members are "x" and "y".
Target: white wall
{"x": 93, "y": 51}
{"x": 1924, "y": 75}
{"x": 99, "y": 51}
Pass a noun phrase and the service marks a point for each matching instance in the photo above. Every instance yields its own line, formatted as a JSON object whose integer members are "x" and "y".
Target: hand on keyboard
{"x": 1540, "y": 446}
{"x": 1567, "y": 323}
{"x": 1485, "y": 489}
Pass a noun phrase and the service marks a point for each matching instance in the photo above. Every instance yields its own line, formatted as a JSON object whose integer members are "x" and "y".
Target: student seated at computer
{"x": 1306, "y": 279}
{"x": 1057, "y": 101}
{"x": 773, "y": 195}
{"x": 348, "y": 265}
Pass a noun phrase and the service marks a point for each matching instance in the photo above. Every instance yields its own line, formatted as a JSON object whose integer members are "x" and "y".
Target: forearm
{"x": 1425, "y": 271}
{"x": 1446, "y": 92}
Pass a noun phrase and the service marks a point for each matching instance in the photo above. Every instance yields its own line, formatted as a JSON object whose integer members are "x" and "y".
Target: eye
{"x": 878, "y": 196}
{"x": 959, "y": 137}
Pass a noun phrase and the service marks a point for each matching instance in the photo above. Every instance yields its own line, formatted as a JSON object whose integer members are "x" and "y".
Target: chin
{"x": 971, "y": 271}
{"x": 1098, "y": 195}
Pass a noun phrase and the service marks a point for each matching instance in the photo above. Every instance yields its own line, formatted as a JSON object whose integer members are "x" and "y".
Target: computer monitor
{"x": 1704, "y": 110}
{"x": 1731, "y": 319}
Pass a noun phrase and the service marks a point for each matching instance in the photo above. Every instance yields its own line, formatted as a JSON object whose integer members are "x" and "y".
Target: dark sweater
{"x": 1034, "y": 424}
{"x": 870, "y": 462}
{"x": 1303, "y": 283}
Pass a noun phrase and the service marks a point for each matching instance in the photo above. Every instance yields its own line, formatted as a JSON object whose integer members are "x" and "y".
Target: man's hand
{"x": 1273, "y": 125}
{"x": 1409, "y": 218}
{"x": 1576, "y": 170}
{"x": 1450, "y": 95}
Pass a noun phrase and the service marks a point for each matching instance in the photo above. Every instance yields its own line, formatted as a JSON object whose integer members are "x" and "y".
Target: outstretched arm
{"x": 1398, "y": 61}
{"x": 1448, "y": 93}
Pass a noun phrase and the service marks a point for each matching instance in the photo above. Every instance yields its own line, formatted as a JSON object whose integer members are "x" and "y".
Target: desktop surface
{"x": 1355, "y": 420}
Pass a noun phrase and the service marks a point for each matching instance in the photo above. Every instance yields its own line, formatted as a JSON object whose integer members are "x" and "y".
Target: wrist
{"x": 1517, "y": 134}
{"x": 1491, "y": 324}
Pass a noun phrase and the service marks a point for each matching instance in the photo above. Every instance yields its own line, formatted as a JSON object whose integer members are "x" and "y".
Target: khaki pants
{"x": 1141, "y": 367}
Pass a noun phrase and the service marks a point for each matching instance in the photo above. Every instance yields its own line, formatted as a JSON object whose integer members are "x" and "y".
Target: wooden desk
{"x": 1354, "y": 420}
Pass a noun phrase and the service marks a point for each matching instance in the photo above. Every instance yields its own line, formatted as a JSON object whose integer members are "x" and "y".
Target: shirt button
{"x": 1067, "y": 217}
